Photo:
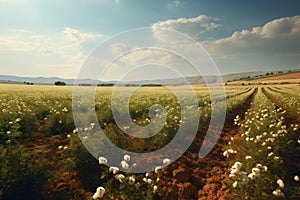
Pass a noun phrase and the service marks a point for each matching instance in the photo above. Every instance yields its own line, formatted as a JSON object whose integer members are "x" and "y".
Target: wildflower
{"x": 166, "y": 161}
{"x": 296, "y": 178}
{"x": 280, "y": 183}
{"x": 234, "y": 185}
{"x": 68, "y": 136}
{"x": 131, "y": 180}
{"x": 18, "y": 119}
{"x": 113, "y": 170}
{"x": 99, "y": 193}
{"x": 65, "y": 147}
{"x": 126, "y": 158}
{"x": 60, "y": 147}
{"x": 102, "y": 160}
{"x": 120, "y": 177}
{"x": 278, "y": 193}
{"x": 124, "y": 165}
{"x": 149, "y": 180}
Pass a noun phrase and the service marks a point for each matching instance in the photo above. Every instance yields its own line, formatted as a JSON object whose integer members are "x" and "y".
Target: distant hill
{"x": 174, "y": 81}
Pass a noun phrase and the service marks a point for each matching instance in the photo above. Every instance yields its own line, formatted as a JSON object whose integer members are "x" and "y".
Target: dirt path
{"x": 193, "y": 178}
{"x": 65, "y": 183}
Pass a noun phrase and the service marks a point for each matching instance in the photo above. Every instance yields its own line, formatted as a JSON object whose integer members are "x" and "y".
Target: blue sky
{"x": 53, "y": 38}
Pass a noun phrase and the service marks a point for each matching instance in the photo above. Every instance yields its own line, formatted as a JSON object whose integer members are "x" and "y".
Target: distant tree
{"x": 60, "y": 83}
{"x": 280, "y": 72}
{"x": 267, "y": 73}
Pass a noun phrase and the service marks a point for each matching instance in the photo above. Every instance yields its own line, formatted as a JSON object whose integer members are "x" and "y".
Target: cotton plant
{"x": 117, "y": 182}
{"x": 258, "y": 170}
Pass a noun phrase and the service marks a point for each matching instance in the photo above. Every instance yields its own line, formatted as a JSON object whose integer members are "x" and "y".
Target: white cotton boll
{"x": 60, "y": 147}
{"x": 256, "y": 171}
{"x": 166, "y": 161}
{"x": 237, "y": 165}
{"x": 276, "y": 158}
{"x": 155, "y": 188}
{"x": 102, "y": 160}
{"x": 278, "y": 193}
{"x": 114, "y": 170}
{"x": 65, "y": 147}
{"x": 126, "y": 158}
{"x": 99, "y": 193}
{"x": 124, "y": 165}
{"x": 131, "y": 180}
{"x": 120, "y": 177}
{"x": 157, "y": 169}
{"x": 251, "y": 176}
{"x": 235, "y": 184}
{"x": 68, "y": 136}
{"x": 85, "y": 137}
{"x": 265, "y": 168}
{"x": 234, "y": 171}
{"x": 226, "y": 154}
{"x": 248, "y": 157}
{"x": 280, "y": 183}
{"x": 149, "y": 180}
{"x": 296, "y": 178}
{"x": 258, "y": 165}
{"x": 270, "y": 154}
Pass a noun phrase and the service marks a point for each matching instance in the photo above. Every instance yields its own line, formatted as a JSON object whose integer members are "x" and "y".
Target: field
{"x": 257, "y": 155}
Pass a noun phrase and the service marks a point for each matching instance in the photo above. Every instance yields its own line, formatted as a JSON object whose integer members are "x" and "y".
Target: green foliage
{"x": 21, "y": 177}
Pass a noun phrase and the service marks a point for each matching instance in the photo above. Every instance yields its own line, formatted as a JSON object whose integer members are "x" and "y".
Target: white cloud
{"x": 275, "y": 45}
{"x": 79, "y": 37}
{"x": 67, "y": 49}
{"x": 277, "y": 37}
{"x": 192, "y": 27}
{"x": 174, "y": 4}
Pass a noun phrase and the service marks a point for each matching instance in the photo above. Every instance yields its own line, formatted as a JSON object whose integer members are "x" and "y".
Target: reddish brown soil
{"x": 203, "y": 179}
{"x": 281, "y": 77}
{"x": 64, "y": 184}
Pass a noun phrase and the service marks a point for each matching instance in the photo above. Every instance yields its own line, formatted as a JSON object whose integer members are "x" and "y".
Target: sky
{"x": 55, "y": 38}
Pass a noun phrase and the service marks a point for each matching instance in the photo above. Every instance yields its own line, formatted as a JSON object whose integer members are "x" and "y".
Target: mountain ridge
{"x": 172, "y": 81}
